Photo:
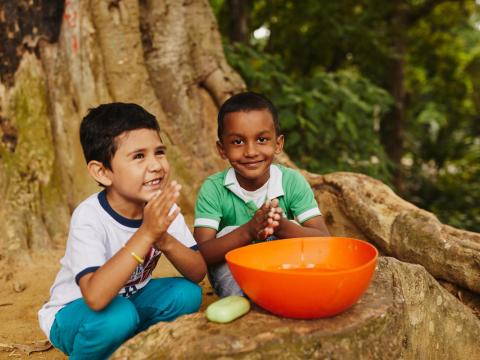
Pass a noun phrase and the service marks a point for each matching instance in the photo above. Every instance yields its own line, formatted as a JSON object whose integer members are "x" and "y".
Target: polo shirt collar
{"x": 275, "y": 188}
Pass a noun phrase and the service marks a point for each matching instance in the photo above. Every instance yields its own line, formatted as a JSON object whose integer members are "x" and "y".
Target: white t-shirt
{"x": 258, "y": 196}
{"x": 97, "y": 233}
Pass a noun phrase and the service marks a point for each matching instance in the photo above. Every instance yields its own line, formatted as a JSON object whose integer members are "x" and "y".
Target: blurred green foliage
{"x": 327, "y": 65}
{"x": 444, "y": 133}
{"x": 330, "y": 120}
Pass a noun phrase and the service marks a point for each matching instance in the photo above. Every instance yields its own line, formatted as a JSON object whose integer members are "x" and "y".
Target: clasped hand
{"x": 157, "y": 217}
{"x": 266, "y": 220}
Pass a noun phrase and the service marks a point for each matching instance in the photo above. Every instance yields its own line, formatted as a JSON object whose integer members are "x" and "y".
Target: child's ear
{"x": 221, "y": 150}
{"x": 99, "y": 172}
{"x": 279, "y": 144}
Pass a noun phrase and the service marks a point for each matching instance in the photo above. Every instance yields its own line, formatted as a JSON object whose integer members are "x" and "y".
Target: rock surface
{"x": 360, "y": 206}
{"x": 405, "y": 314}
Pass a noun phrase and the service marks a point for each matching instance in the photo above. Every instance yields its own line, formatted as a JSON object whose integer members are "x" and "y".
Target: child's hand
{"x": 258, "y": 223}
{"x": 274, "y": 217}
{"x": 265, "y": 220}
{"x": 156, "y": 218}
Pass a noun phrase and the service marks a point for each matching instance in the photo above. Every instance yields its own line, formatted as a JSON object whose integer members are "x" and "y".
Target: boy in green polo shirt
{"x": 254, "y": 200}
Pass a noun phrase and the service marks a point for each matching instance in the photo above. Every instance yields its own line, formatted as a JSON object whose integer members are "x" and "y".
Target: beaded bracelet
{"x": 135, "y": 256}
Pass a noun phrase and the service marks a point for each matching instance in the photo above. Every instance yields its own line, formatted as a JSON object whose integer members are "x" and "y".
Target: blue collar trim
{"x": 133, "y": 223}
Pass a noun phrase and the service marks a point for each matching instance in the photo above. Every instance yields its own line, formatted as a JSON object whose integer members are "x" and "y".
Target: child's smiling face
{"x": 139, "y": 170}
{"x": 249, "y": 142}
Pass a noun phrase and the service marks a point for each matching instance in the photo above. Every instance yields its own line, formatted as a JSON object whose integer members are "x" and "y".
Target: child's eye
{"x": 138, "y": 156}
{"x": 237, "y": 142}
{"x": 262, "y": 139}
{"x": 160, "y": 152}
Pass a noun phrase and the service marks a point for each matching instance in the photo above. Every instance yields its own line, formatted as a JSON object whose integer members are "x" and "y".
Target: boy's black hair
{"x": 103, "y": 124}
{"x": 244, "y": 102}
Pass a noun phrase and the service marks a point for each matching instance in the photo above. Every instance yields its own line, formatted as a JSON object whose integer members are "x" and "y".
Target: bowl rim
{"x": 306, "y": 271}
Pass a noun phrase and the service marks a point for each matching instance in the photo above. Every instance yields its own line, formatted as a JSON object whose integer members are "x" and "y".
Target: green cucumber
{"x": 227, "y": 309}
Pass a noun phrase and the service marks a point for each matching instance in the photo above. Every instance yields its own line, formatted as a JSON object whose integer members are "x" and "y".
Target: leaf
{"x": 288, "y": 119}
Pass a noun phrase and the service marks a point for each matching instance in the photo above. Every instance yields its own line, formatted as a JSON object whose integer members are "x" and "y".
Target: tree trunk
{"x": 359, "y": 206}
{"x": 239, "y": 20}
{"x": 393, "y": 124}
{"x": 164, "y": 55}
{"x": 33, "y": 212}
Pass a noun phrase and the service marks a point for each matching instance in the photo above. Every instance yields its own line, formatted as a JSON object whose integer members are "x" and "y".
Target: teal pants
{"x": 82, "y": 333}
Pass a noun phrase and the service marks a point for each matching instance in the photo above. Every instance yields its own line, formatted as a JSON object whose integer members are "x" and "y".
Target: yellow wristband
{"x": 135, "y": 256}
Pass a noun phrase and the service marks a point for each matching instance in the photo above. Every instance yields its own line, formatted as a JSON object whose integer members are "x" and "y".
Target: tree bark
{"x": 29, "y": 170}
{"x": 392, "y": 127}
{"x": 239, "y": 20}
{"x": 367, "y": 209}
{"x": 164, "y": 55}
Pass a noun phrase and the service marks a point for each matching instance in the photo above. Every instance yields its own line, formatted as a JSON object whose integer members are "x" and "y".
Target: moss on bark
{"x": 32, "y": 198}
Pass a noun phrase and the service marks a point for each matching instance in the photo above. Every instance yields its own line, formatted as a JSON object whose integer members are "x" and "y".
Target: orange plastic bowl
{"x": 304, "y": 278}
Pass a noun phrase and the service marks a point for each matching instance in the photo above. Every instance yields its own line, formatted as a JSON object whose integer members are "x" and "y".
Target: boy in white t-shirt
{"x": 103, "y": 293}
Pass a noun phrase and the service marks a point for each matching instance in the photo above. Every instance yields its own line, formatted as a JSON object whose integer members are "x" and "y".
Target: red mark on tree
{"x": 70, "y": 17}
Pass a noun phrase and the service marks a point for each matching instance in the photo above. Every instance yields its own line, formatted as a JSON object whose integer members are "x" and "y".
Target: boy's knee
{"x": 188, "y": 295}
{"x": 166, "y": 299}
{"x": 120, "y": 319}
{"x": 222, "y": 281}
{"x": 104, "y": 331}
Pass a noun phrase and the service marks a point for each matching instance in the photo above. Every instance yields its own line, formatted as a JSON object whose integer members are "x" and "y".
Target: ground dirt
{"x": 23, "y": 291}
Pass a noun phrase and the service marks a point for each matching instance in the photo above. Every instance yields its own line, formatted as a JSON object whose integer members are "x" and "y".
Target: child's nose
{"x": 155, "y": 164}
{"x": 250, "y": 149}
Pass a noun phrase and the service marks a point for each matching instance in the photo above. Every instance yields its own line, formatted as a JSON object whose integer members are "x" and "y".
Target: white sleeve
{"x": 85, "y": 251}
{"x": 180, "y": 231}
